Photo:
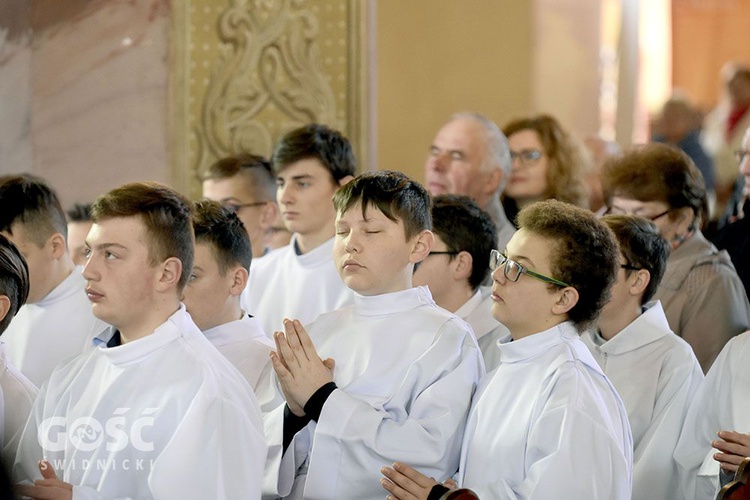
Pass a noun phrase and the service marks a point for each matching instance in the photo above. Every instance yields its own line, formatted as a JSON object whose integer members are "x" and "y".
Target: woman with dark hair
{"x": 703, "y": 298}
{"x": 548, "y": 163}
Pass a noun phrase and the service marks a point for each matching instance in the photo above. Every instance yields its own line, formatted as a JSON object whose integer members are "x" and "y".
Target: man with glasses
{"x": 245, "y": 185}
{"x": 734, "y": 237}
{"x": 547, "y": 423}
{"x": 469, "y": 156}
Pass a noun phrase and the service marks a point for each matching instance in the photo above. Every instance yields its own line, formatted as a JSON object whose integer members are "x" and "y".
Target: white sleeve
{"x": 281, "y": 468}
{"x": 655, "y": 472}
{"x": 217, "y": 451}
{"x": 421, "y": 424}
{"x": 698, "y": 471}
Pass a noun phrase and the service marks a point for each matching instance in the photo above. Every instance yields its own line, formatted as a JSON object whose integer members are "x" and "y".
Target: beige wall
{"x": 437, "y": 57}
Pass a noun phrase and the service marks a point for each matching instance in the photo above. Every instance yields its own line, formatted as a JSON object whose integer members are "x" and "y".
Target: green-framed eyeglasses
{"x": 513, "y": 270}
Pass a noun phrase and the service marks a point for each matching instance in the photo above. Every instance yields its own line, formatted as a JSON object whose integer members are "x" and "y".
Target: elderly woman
{"x": 703, "y": 298}
{"x": 548, "y": 163}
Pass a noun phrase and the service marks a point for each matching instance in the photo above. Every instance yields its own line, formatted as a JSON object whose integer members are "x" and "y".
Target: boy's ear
{"x": 169, "y": 277}
{"x": 567, "y": 299}
{"x": 57, "y": 246}
{"x": 642, "y": 279}
{"x": 422, "y": 245}
{"x": 4, "y": 306}
{"x": 461, "y": 265}
{"x": 239, "y": 280}
{"x": 344, "y": 180}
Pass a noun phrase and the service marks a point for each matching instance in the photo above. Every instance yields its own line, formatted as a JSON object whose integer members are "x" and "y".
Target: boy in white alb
{"x": 153, "y": 411}
{"x": 404, "y": 369}
{"x": 654, "y": 371}
{"x": 212, "y": 297}
{"x": 546, "y": 423}
{"x": 715, "y": 437}
{"x": 458, "y": 264}
{"x": 56, "y": 323}
{"x": 17, "y": 393}
{"x": 300, "y": 280}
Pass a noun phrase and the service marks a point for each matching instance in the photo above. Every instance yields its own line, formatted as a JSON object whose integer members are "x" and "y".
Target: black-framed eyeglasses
{"x": 740, "y": 154}
{"x": 526, "y": 156}
{"x": 513, "y": 270}
{"x": 446, "y": 252}
{"x": 235, "y": 207}
{"x": 652, "y": 218}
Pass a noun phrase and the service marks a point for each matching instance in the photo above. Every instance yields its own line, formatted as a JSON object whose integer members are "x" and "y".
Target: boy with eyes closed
{"x": 388, "y": 378}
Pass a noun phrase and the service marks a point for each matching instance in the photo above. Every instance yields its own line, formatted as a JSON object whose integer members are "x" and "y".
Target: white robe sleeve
{"x": 709, "y": 411}
{"x": 421, "y": 424}
{"x": 281, "y": 468}
{"x": 218, "y": 451}
{"x": 655, "y": 471}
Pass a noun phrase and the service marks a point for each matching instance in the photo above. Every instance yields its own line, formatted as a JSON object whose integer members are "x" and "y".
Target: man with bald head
{"x": 470, "y": 156}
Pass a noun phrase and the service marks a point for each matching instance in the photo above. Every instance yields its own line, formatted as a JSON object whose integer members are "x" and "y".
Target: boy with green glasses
{"x": 547, "y": 423}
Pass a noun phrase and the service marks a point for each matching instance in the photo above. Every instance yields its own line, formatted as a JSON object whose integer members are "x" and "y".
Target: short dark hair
{"x": 80, "y": 212}
{"x": 254, "y": 168}
{"x": 30, "y": 201}
{"x": 166, "y": 215}
{"x": 464, "y": 227}
{"x": 316, "y": 141}
{"x": 585, "y": 253}
{"x": 642, "y": 246}
{"x": 657, "y": 172}
{"x": 396, "y": 195}
{"x": 14, "y": 279}
{"x": 224, "y": 231}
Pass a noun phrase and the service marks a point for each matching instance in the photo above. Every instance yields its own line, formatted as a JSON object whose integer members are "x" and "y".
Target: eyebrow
{"x": 519, "y": 257}
{"x": 296, "y": 177}
{"x": 104, "y": 246}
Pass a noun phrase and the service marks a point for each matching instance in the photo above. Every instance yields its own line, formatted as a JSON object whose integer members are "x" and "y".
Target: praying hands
{"x": 300, "y": 370}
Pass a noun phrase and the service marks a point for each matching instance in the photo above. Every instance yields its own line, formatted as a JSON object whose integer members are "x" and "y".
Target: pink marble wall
{"x": 87, "y": 83}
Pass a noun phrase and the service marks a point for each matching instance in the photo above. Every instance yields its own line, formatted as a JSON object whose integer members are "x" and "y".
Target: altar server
{"x": 547, "y": 423}
{"x": 458, "y": 264}
{"x": 154, "y": 411}
{"x": 17, "y": 393}
{"x": 300, "y": 280}
{"x": 714, "y": 438}
{"x": 56, "y": 323}
{"x": 212, "y": 297}
{"x": 654, "y": 371}
{"x": 405, "y": 369}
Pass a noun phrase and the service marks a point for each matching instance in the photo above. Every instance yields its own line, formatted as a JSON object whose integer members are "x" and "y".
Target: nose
{"x": 351, "y": 244}
{"x": 437, "y": 161}
{"x": 284, "y": 195}
{"x": 515, "y": 162}
{"x": 499, "y": 274}
{"x": 89, "y": 271}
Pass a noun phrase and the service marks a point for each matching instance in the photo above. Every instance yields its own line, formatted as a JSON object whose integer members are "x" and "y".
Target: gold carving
{"x": 269, "y": 64}
{"x": 247, "y": 71}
